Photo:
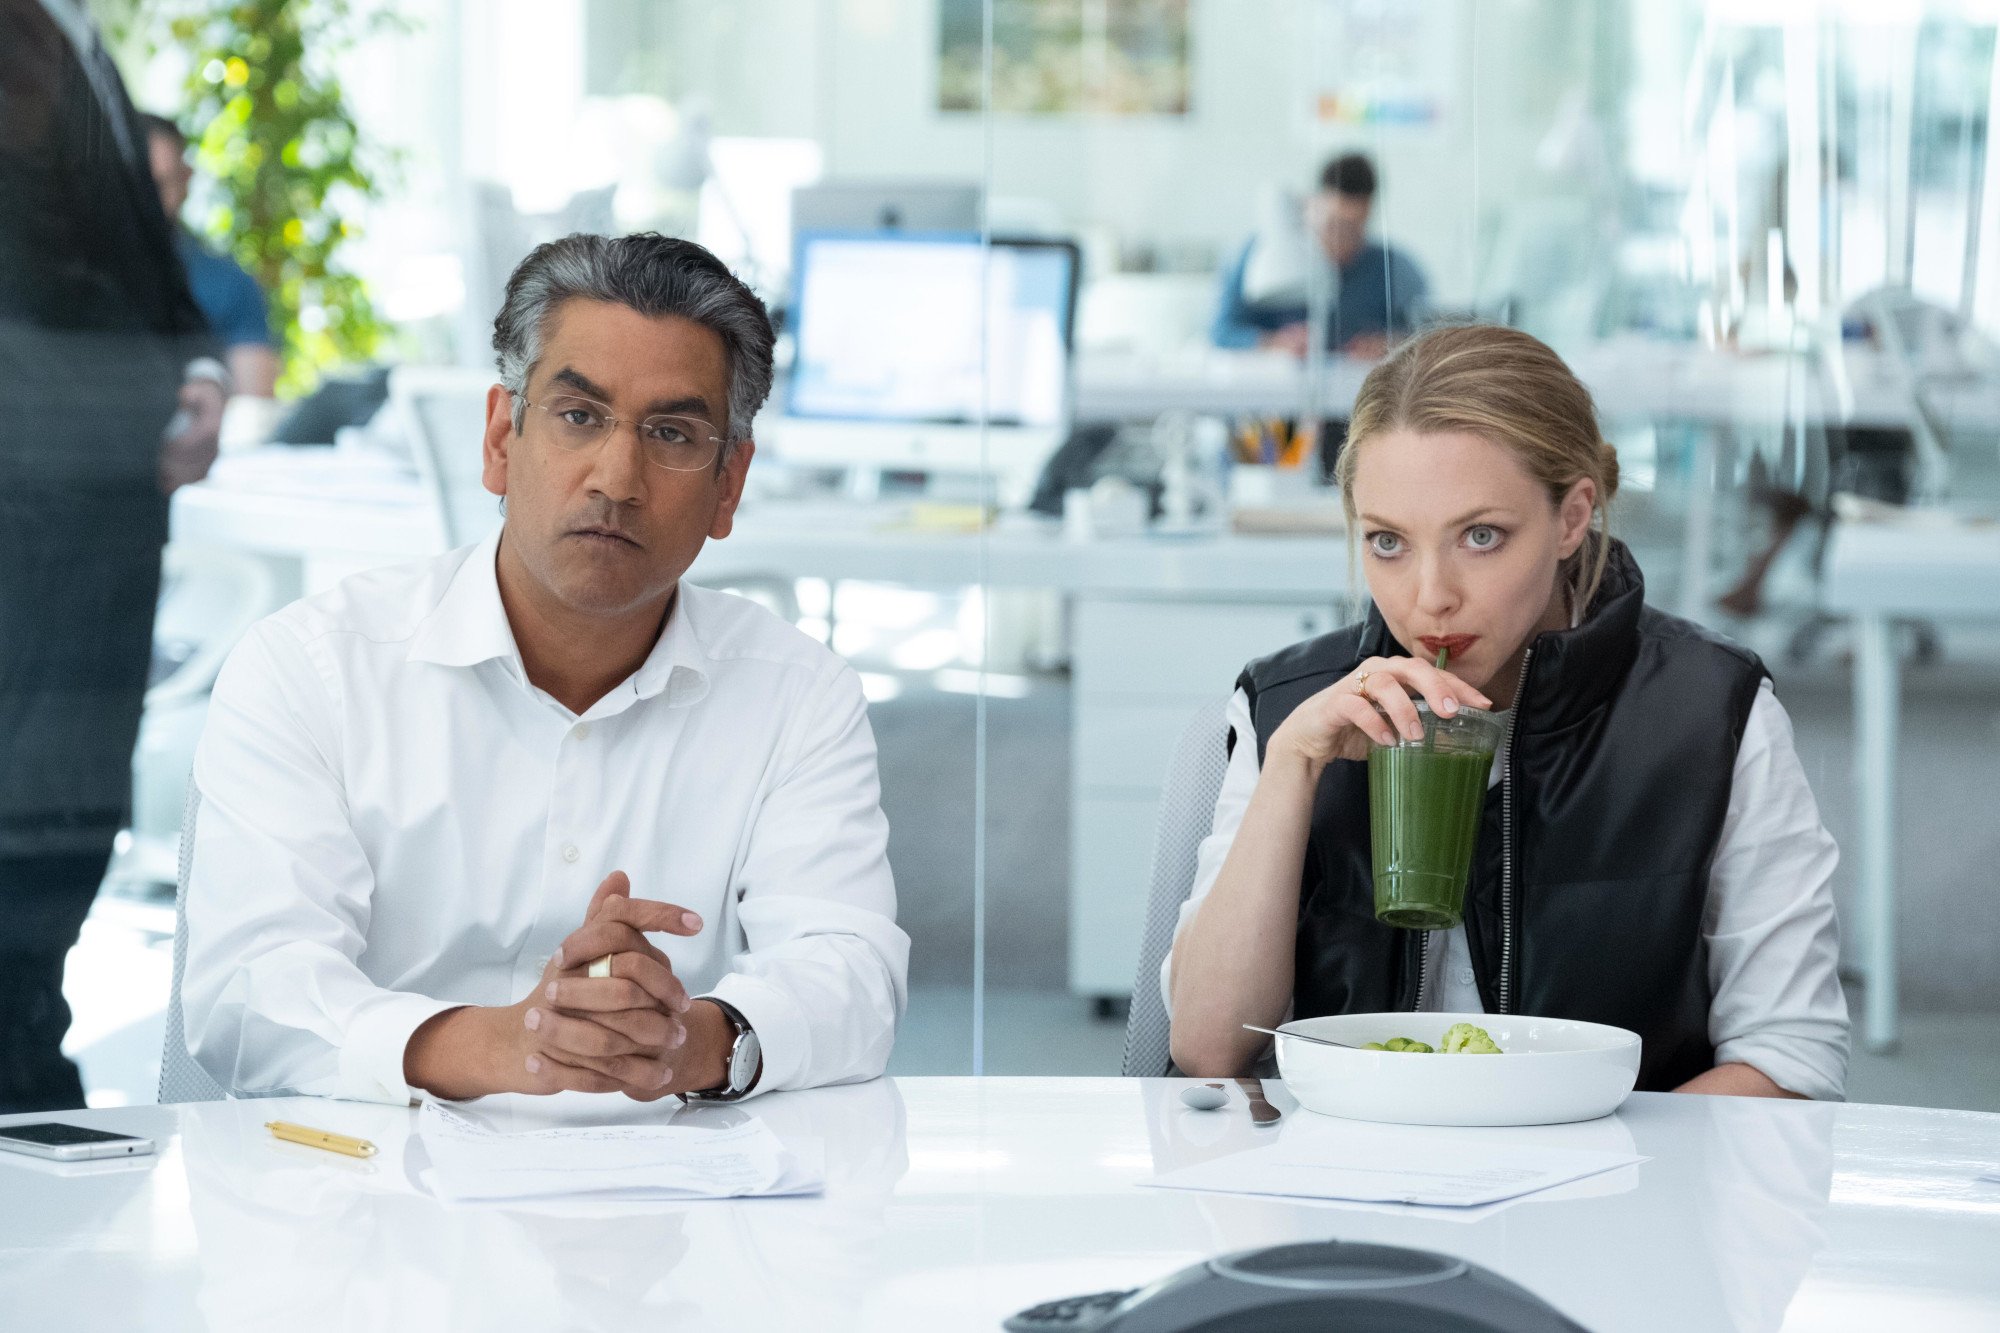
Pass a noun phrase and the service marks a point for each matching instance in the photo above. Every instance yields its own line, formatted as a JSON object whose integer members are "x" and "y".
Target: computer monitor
{"x": 895, "y": 368}
{"x": 886, "y": 205}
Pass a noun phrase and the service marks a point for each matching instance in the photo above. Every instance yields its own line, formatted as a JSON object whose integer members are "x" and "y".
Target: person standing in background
{"x": 231, "y": 299}
{"x": 110, "y": 398}
{"x": 1378, "y": 293}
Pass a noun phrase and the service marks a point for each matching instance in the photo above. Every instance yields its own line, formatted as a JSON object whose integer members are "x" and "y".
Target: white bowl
{"x": 1551, "y": 1070}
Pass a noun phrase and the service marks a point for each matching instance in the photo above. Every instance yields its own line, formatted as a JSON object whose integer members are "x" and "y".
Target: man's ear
{"x": 1578, "y": 503}
{"x": 730, "y": 487}
{"x": 499, "y": 439}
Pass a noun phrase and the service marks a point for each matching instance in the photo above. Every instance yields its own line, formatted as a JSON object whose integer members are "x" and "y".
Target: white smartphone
{"x": 69, "y": 1143}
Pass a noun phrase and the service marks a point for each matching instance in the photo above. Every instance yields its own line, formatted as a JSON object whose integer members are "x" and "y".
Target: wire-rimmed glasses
{"x": 677, "y": 443}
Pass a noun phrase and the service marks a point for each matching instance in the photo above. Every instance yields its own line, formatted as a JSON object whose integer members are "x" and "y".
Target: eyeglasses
{"x": 679, "y": 444}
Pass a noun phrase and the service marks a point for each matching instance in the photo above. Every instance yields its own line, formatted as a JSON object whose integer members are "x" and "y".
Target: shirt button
{"x": 1465, "y": 976}
{"x": 570, "y": 853}
{"x": 580, "y": 730}
{"x": 542, "y": 963}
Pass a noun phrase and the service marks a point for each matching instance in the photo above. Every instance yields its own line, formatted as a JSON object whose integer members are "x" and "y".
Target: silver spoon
{"x": 1204, "y": 1097}
{"x": 1300, "y": 1036}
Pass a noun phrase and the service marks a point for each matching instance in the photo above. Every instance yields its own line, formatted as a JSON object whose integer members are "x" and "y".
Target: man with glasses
{"x": 444, "y": 807}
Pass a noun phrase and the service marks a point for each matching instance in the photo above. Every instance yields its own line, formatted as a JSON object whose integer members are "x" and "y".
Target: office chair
{"x": 442, "y": 410}
{"x": 1187, "y": 814}
{"x": 181, "y": 1079}
{"x": 209, "y": 599}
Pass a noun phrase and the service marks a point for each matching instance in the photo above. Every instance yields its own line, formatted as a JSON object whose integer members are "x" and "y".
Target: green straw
{"x": 1430, "y": 733}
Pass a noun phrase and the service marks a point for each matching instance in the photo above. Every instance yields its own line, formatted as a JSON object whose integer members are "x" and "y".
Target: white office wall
{"x": 860, "y": 77}
{"x": 494, "y": 89}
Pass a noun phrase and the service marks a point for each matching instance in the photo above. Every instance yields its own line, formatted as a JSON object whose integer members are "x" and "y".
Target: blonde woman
{"x": 1651, "y": 856}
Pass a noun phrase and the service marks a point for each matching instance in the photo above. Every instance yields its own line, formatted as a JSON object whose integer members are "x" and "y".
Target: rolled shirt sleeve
{"x": 278, "y": 897}
{"x": 823, "y": 977}
{"x": 1772, "y": 935}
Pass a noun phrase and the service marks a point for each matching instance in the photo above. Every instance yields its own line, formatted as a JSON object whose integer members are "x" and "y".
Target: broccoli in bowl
{"x": 1459, "y": 1039}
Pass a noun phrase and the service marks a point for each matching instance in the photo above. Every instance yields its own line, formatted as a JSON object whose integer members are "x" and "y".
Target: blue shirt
{"x": 1380, "y": 291}
{"x": 229, "y": 297}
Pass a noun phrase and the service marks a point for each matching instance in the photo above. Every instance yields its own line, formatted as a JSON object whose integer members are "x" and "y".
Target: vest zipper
{"x": 1423, "y": 970}
{"x": 1507, "y": 843}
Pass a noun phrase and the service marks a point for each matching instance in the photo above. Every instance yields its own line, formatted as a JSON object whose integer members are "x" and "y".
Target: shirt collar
{"x": 469, "y": 625}
{"x": 678, "y": 666}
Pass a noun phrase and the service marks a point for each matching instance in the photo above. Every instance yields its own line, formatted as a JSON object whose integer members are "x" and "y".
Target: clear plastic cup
{"x": 1426, "y": 800}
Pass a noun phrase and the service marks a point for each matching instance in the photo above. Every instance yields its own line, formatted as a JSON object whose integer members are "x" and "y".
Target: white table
{"x": 1877, "y": 573}
{"x": 951, "y": 1203}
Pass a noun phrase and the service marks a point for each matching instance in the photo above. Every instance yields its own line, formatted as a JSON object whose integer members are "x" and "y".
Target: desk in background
{"x": 1630, "y": 378}
{"x": 952, "y": 1202}
{"x": 1877, "y": 574}
{"x": 1717, "y": 392}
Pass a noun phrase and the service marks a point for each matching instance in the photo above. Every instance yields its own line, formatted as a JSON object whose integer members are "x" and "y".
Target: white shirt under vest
{"x": 1768, "y": 926}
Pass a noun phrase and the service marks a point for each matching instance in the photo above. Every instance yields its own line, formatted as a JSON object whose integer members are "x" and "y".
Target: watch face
{"x": 743, "y": 1062}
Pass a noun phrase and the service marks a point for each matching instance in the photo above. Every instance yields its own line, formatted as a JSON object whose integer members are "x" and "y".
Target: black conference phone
{"x": 1310, "y": 1288}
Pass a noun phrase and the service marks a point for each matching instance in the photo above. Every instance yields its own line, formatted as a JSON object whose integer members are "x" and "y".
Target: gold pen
{"x": 320, "y": 1138}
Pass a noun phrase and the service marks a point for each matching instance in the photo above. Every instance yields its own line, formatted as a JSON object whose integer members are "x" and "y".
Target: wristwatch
{"x": 746, "y": 1058}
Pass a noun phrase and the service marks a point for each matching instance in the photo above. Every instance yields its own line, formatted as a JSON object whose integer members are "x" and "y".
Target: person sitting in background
{"x": 1376, "y": 294}
{"x": 1650, "y": 854}
{"x": 430, "y": 798}
{"x": 228, "y": 296}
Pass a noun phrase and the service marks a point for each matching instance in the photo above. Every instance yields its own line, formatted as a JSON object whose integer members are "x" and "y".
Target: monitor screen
{"x": 889, "y": 329}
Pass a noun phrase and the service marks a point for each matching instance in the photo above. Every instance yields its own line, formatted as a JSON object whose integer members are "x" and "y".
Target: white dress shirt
{"x": 394, "y": 822}
{"x": 1773, "y": 944}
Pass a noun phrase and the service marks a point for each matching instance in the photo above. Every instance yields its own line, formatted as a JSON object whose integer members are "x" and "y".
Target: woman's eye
{"x": 1482, "y": 538}
{"x": 1384, "y": 543}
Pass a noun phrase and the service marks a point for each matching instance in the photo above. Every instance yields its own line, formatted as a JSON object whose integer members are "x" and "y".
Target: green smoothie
{"x": 1425, "y": 802}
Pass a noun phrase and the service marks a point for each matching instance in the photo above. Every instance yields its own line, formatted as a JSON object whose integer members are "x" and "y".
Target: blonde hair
{"x": 1507, "y": 387}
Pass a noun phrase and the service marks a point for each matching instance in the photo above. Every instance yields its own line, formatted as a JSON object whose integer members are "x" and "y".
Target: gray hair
{"x": 654, "y": 275}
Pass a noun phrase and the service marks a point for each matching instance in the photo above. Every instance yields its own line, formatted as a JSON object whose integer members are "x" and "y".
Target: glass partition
{"x": 1756, "y": 233}
{"x": 1074, "y": 299}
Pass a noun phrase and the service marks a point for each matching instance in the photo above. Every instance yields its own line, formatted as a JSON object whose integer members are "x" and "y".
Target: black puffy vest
{"x": 1590, "y": 875}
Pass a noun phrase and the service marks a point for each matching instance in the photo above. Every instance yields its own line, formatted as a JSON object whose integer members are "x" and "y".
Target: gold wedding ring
{"x": 601, "y": 967}
{"x": 1361, "y": 684}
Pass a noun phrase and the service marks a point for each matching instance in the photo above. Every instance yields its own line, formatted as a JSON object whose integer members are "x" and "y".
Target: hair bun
{"x": 1607, "y": 461}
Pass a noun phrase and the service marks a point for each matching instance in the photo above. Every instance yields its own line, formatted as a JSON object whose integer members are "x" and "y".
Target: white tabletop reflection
{"x": 951, "y": 1203}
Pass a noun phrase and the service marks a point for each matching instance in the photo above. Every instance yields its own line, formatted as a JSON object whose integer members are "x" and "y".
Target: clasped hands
{"x": 627, "y": 1032}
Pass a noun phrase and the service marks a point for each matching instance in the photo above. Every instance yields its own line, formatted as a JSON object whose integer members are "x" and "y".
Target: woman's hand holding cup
{"x": 1374, "y": 704}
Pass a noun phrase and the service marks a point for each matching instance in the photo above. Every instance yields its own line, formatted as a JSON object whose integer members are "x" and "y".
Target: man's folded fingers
{"x": 648, "y": 1028}
{"x": 568, "y": 1037}
{"x": 552, "y": 1075}
{"x": 650, "y": 915}
{"x": 598, "y": 937}
{"x": 637, "y": 981}
{"x": 599, "y": 995}
{"x": 655, "y": 976}
{"x": 646, "y": 1074}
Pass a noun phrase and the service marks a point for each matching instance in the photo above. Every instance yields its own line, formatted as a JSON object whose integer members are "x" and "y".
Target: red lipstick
{"x": 1456, "y": 644}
